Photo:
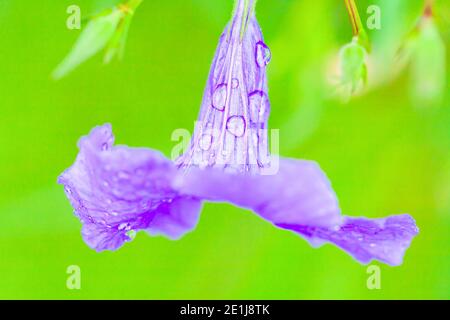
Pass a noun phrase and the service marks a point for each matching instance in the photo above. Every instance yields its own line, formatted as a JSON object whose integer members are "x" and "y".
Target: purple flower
{"x": 117, "y": 190}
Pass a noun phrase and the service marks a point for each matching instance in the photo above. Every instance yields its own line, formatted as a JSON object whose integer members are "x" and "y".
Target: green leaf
{"x": 93, "y": 38}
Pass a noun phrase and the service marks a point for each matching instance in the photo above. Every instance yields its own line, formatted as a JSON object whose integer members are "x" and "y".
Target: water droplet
{"x": 205, "y": 142}
{"x": 68, "y": 190}
{"x": 262, "y": 54}
{"x": 259, "y": 106}
{"x": 219, "y": 97}
{"x": 234, "y": 83}
{"x": 124, "y": 226}
{"x": 236, "y": 125}
{"x": 372, "y": 245}
{"x": 105, "y": 146}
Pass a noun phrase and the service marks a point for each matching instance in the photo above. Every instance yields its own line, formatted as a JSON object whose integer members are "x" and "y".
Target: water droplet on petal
{"x": 68, "y": 190}
{"x": 219, "y": 97}
{"x": 236, "y": 125}
{"x": 205, "y": 142}
{"x": 259, "y": 106}
{"x": 262, "y": 54}
{"x": 234, "y": 83}
{"x": 105, "y": 146}
{"x": 124, "y": 226}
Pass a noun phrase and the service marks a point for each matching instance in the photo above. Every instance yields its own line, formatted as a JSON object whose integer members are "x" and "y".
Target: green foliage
{"x": 95, "y": 36}
{"x": 116, "y": 45}
{"x": 107, "y": 30}
{"x": 428, "y": 65}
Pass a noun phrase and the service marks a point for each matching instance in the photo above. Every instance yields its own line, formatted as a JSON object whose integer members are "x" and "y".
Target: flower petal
{"x": 175, "y": 218}
{"x": 299, "y": 193}
{"x": 299, "y": 198}
{"x": 116, "y": 191}
{"x": 232, "y": 127}
{"x": 365, "y": 239}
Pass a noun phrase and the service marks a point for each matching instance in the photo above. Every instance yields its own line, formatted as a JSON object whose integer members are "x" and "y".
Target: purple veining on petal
{"x": 365, "y": 239}
{"x": 299, "y": 193}
{"x": 116, "y": 190}
{"x": 234, "y": 64}
{"x": 206, "y": 141}
{"x": 300, "y": 198}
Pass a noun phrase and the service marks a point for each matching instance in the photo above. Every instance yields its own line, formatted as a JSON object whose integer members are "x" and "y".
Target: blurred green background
{"x": 383, "y": 154}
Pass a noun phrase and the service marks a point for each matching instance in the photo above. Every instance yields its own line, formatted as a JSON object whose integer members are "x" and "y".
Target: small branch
{"x": 357, "y": 25}
{"x": 355, "y": 19}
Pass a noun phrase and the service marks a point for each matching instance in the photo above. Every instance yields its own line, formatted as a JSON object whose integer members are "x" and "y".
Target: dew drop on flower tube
{"x": 231, "y": 131}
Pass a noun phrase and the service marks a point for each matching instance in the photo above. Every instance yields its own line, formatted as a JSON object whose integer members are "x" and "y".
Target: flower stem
{"x": 354, "y": 16}
{"x": 357, "y": 25}
{"x": 428, "y": 11}
{"x": 244, "y": 8}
